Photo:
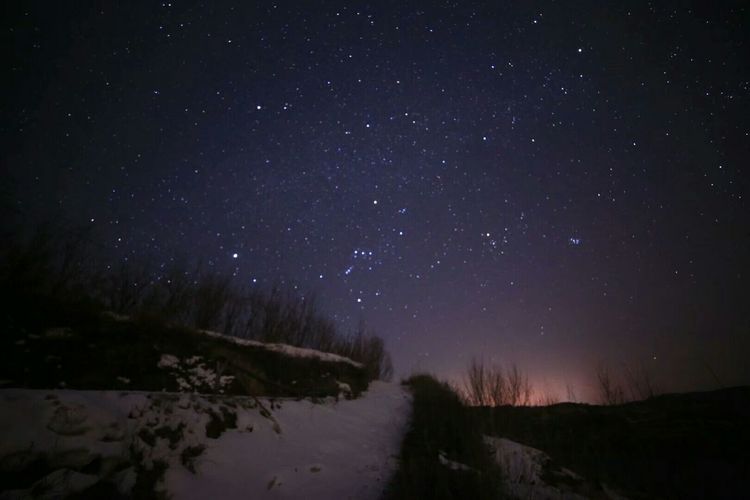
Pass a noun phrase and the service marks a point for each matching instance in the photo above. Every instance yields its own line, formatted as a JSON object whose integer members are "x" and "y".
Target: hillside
{"x": 149, "y": 402}
{"x": 691, "y": 445}
{"x": 89, "y": 349}
{"x": 98, "y": 405}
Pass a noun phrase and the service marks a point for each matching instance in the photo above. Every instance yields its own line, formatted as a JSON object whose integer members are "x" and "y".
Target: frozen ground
{"x": 57, "y": 442}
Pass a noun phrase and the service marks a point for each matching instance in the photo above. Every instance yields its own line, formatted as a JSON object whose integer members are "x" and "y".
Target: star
{"x": 550, "y": 179}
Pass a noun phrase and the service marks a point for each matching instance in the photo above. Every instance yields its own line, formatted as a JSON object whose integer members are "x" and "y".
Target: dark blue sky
{"x": 550, "y": 184}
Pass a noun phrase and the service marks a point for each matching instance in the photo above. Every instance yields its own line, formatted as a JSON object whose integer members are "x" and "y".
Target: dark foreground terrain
{"x": 77, "y": 345}
{"x": 693, "y": 445}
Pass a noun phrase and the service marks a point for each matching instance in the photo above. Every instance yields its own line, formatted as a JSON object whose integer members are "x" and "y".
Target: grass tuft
{"x": 442, "y": 426}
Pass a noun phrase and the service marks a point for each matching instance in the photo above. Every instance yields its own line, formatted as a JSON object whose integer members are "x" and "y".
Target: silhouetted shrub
{"x": 60, "y": 267}
{"x": 124, "y": 289}
{"x": 368, "y": 349}
{"x": 44, "y": 263}
{"x": 443, "y": 455}
{"x": 493, "y": 386}
{"x": 633, "y": 385}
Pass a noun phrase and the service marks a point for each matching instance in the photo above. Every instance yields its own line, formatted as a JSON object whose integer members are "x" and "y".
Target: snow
{"x": 58, "y": 333}
{"x": 192, "y": 375}
{"x": 444, "y": 460}
{"x": 168, "y": 361}
{"x": 343, "y": 450}
{"x": 214, "y": 446}
{"x": 288, "y": 350}
{"x": 345, "y": 390}
{"x": 523, "y": 467}
{"x": 525, "y": 470}
{"x": 116, "y": 317}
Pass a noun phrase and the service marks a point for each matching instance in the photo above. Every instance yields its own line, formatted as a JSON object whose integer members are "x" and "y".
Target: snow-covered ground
{"x": 211, "y": 446}
{"x": 529, "y": 473}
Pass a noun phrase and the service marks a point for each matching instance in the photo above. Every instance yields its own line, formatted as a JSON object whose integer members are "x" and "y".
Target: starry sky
{"x": 555, "y": 184}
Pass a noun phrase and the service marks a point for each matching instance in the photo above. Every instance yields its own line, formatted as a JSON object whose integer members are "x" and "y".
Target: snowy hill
{"x": 109, "y": 444}
{"x": 107, "y": 351}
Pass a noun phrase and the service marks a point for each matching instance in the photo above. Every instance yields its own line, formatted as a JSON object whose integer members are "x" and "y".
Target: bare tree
{"x": 173, "y": 297}
{"x": 610, "y": 391}
{"x": 570, "y": 393}
{"x": 547, "y": 399}
{"x": 640, "y": 383}
{"x": 368, "y": 349}
{"x": 42, "y": 264}
{"x": 125, "y": 288}
{"x": 71, "y": 268}
{"x": 28, "y": 262}
{"x": 272, "y": 316}
{"x": 233, "y": 311}
{"x": 492, "y": 386}
{"x": 519, "y": 388}
{"x": 211, "y": 296}
{"x": 476, "y": 384}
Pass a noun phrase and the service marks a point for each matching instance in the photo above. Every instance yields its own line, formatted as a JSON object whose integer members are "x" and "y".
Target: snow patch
{"x": 444, "y": 460}
{"x": 212, "y": 446}
{"x": 116, "y": 317}
{"x": 58, "y": 333}
{"x": 528, "y": 473}
{"x": 345, "y": 389}
{"x": 168, "y": 361}
{"x": 192, "y": 374}
{"x": 288, "y": 350}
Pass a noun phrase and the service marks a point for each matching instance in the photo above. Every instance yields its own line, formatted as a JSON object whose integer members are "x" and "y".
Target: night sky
{"x": 556, "y": 184}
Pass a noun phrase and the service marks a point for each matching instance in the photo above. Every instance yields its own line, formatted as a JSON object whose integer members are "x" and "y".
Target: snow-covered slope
{"x": 529, "y": 473}
{"x": 286, "y": 349}
{"x": 192, "y": 446}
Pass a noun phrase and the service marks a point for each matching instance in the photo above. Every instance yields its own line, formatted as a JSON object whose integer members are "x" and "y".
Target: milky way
{"x": 556, "y": 184}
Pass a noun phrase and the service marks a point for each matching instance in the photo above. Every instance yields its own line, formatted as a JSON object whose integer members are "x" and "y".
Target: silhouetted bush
{"x": 443, "y": 455}
{"x": 633, "y": 385}
{"x": 493, "y": 386}
{"x": 368, "y": 349}
{"x": 61, "y": 267}
{"x": 210, "y": 300}
{"x": 43, "y": 263}
{"x": 124, "y": 289}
